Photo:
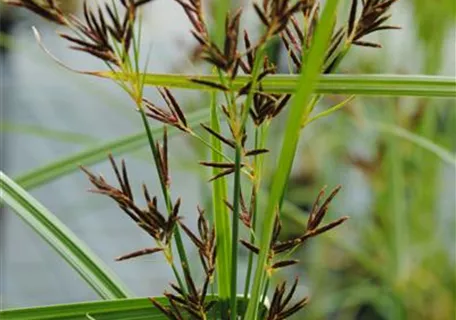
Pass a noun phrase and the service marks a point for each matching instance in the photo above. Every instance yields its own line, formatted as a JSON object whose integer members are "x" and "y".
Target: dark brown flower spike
{"x": 268, "y": 69}
{"x": 226, "y": 141}
{"x": 173, "y": 105}
{"x": 373, "y": 14}
{"x": 245, "y": 214}
{"x": 170, "y": 313}
{"x": 275, "y": 14}
{"x": 225, "y": 59}
{"x": 222, "y": 174}
{"x": 250, "y": 246}
{"x": 265, "y": 106}
{"x": 283, "y": 264}
{"x": 139, "y": 253}
{"x": 312, "y": 229}
{"x": 220, "y": 165}
{"x": 318, "y": 212}
{"x": 162, "y": 162}
{"x": 295, "y": 38}
{"x": 94, "y": 31}
{"x": 210, "y": 84}
{"x": 279, "y": 308}
{"x": 231, "y": 41}
{"x": 149, "y": 219}
{"x": 174, "y": 117}
{"x": 250, "y": 55}
{"x": 48, "y": 9}
{"x": 205, "y": 242}
{"x": 194, "y": 302}
{"x": 372, "y": 18}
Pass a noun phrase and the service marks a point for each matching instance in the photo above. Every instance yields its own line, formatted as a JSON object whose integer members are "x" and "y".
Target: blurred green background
{"x": 395, "y": 257}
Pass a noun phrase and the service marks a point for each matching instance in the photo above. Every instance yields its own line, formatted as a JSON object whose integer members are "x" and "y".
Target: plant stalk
{"x": 177, "y": 235}
{"x": 235, "y": 229}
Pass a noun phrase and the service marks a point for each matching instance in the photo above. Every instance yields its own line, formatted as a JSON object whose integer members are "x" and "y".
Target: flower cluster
{"x": 313, "y": 228}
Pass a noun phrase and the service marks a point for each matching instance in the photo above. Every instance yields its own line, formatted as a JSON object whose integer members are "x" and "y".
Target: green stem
{"x": 166, "y": 196}
{"x": 221, "y": 216}
{"x": 259, "y": 143}
{"x": 263, "y": 299}
{"x": 176, "y": 274}
{"x": 214, "y": 311}
{"x": 235, "y": 229}
{"x": 237, "y": 177}
{"x": 254, "y": 78}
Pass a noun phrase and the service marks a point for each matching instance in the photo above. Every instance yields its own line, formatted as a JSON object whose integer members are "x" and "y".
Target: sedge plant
{"x": 241, "y": 114}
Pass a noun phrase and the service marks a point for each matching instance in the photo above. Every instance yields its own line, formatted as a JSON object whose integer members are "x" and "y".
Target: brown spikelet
{"x": 222, "y": 174}
{"x": 150, "y": 219}
{"x": 139, "y": 253}
{"x": 279, "y": 308}
{"x": 210, "y": 84}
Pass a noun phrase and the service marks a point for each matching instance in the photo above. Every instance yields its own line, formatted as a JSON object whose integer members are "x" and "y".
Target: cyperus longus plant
{"x": 314, "y": 46}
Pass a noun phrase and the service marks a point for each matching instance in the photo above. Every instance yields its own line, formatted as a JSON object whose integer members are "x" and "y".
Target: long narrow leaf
{"x": 76, "y": 253}
{"x": 375, "y": 84}
{"x": 220, "y": 212}
{"x": 124, "y": 309}
{"x": 137, "y": 308}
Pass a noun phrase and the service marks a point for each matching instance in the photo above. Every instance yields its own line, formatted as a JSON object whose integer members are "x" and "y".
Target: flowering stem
{"x": 166, "y": 195}
{"x": 259, "y": 144}
{"x": 235, "y": 229}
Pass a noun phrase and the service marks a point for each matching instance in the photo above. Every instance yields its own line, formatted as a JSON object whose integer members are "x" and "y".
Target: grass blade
{"x": 76, "y": 253}
{"x": 375, "y": 84}
{"x": 137, "y": 308}
{"x": 221, "y": 214}
{"x": 125, "y": 309}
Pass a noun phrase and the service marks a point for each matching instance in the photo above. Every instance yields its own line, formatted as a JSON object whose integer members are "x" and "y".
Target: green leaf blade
{"x": 220, "y": 212}
{"x": 125, "y": 309}
{"x": 339, "y": 84}
{"x": 63, "y": 240}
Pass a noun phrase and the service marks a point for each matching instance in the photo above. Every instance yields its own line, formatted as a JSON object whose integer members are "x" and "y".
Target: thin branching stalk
{"x": 240, "y": 127}
{"x": 235, "y": 230}
{"x": 168, "y": 201}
